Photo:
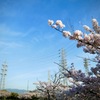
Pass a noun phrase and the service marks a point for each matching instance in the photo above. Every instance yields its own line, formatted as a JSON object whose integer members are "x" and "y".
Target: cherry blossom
{"x": 92, "y": 39}
{"x": 87, "y": 28}
{"x": 60, "y": 24}
{"x": 66, "y": 33}
{"x": 50, "y": 22}
{"x": 83, "y": 87}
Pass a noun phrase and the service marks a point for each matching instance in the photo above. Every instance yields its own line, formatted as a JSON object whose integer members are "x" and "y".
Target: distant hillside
{"x": 16, "y": 91}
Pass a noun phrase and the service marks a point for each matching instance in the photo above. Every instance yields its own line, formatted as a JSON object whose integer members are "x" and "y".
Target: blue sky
{"x": 30, "y": 47}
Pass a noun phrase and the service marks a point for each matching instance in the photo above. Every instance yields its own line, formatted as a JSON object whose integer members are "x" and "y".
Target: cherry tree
{"x": 84, "y": 87}
{"x": 51, "y": 90}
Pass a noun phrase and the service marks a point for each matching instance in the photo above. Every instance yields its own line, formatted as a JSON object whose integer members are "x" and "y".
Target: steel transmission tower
{"x": 86, "y": 65}
{"x": 63, "y": 63}
{"x": 3, "y": 75}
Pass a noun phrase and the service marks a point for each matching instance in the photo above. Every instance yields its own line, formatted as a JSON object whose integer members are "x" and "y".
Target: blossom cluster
{"x": 51, "y": 90}
{"x": 90, "y": 41}
{"x": 83, "y": 87}
{"x": 88, "y": 87}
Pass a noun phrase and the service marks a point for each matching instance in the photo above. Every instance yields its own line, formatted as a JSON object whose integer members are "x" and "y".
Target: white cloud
{"x": 49, "y": 36}
{"x": 5, "y": 30}
{"x": 31, "y": 30}
{"x": 9, "y": 44}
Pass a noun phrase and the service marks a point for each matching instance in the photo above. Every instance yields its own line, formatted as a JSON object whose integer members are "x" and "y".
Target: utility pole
{"x": 3, "y": 75}
{"x": 63, "y": 63}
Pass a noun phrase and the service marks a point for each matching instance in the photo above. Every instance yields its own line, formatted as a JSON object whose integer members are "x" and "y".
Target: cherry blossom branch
{"x": 91, "y": 41}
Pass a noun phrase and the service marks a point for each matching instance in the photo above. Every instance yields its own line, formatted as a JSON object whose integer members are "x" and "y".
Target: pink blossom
{"x": 60, "y": 24}
{"x": 97, "y": 39}
{"x": 96, "y": 36}
{"x": 78, "y": 33}
{"x": 66, "y": 33}
{"x": 95, "y": 23}
{"x": 86, "y": 38}
{"x": 54, "y": 26}
{"x": 50, "y": 22}
{"x": 89, "y": 47}
{"x": 80, "y": 38}
{"x": 86, "y": 27}
{"x": 91, "y": 36}
{"x": 72, "y": 37}
{"x": 79, "y": 44}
